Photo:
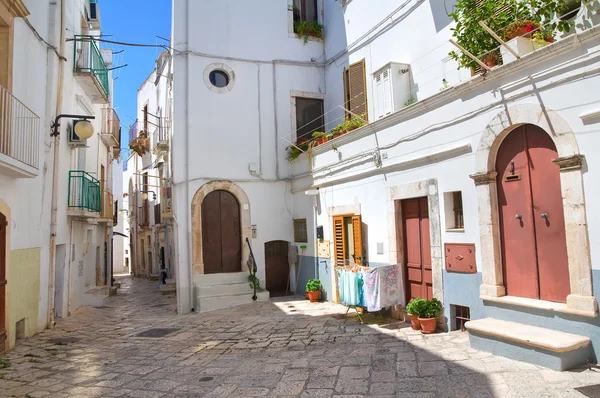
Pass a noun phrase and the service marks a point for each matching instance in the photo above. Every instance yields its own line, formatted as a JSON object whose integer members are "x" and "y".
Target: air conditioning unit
{"x": 74, "y": 140}
{"x": 94, "y": 15}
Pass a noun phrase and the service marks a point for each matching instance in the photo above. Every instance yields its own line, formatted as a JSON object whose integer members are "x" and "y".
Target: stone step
{"x": 98, "y": 290}
{"x": 95, "y": 300}
{"x": 206, "y": 304}
{"x": 222, "y": 279}
{"x": 550, "y": 348}
{"x": 224, "y": 289}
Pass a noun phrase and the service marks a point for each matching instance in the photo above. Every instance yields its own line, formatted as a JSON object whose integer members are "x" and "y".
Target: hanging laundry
{"x": 351, "y": 288}
{"x": 383, "y": 287}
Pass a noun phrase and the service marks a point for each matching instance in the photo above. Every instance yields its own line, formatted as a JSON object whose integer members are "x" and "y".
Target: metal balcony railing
{"x": 133, "y": 131}
{"x": 108, "y": 203}
{"x": 89, "y": 59}
{"x": 111, "y": 127}
{"x": 84, "y": 191}
{"x": 19, "y": 130}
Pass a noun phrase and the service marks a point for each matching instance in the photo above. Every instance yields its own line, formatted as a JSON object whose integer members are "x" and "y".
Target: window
{"x": 218, "y": 78}
{"x": 306, "y": 10}
{"x": 300, "y": 231}
{"x": 309, "y": 117}
{"x": 347, "y": 240}
{"x": 459, "y": 315}
{"x": 453, "y": 207}
{"x": 355, "y": 90}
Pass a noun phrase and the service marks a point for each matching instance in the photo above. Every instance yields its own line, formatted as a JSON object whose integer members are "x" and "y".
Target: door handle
{"x": 518, "y": 217}
{"x": 544, "y": 216}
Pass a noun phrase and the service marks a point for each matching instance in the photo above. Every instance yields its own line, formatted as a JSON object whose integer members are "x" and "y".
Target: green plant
{"x": 520, "y": 28}
{"x": 253, "y": 280}
{"x": 329, "y": 137}
{"x": 313, "y": 285}
{"x": 4, "y": 363}
{"x": 306, "y": 29}
{"x": 410, "y": 101}
{"x": 318, "y": 134}
{"x": 350, "y": 124}
{"x": 431, "y": 308}
{"x": 415, "y": 306}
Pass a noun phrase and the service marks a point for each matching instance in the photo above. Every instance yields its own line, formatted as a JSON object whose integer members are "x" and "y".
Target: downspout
{"x": 260, "y": 166}
{"x": 275, "y": 121}
{"x": 187, "y": 220}
{"x": 55, "y": 170}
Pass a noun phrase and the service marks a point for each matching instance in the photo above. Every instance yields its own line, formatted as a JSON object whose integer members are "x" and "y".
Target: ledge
{"x": 539, "y": 305}
{"x": 13, "y": 168}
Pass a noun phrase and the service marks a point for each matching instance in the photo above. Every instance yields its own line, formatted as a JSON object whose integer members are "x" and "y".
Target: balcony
{"x": 143, "y": 216}
{"x": 110, "y": 133}
{"x": 90, "y": 70}
{"x": 84, "y": 194}
{"x": 19, "y": 138}
{"x": 161, "y": 138}
{"x": 139, "y": 141}
{"x": 108, "y": 202}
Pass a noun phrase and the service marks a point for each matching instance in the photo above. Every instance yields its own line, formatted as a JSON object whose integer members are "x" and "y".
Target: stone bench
{"x": 540, "y": 346}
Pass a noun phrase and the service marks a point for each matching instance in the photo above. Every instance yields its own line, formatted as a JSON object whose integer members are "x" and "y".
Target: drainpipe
{"x": 55, "y": 171}
{"x": 275, "y": 121}
{"x": 187, "y": 220}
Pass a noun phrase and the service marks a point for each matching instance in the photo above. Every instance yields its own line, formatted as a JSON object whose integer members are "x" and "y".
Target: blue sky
{"x": 133, "y": 21}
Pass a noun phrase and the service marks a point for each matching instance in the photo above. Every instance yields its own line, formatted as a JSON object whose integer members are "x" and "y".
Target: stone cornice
{"x": 484, "y": 178}
{"x": 570, "y": 163}
{"x": 16, "y": 8}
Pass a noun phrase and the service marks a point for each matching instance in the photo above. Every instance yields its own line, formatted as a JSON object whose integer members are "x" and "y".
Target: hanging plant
{"x": 307, "y": 29}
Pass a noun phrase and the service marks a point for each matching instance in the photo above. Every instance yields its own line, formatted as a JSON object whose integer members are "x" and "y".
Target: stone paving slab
{"x": 282, "y": 348}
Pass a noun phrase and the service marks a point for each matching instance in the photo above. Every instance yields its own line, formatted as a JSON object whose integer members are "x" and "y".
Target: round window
{"x": 219, "y": 78}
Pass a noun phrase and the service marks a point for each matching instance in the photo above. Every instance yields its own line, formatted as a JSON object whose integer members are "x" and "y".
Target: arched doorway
{"x": 277, "y": 267}
{"x": 532, "y": 224}
{"x": 221, "y": 233}
{"x": 3, "y": 249}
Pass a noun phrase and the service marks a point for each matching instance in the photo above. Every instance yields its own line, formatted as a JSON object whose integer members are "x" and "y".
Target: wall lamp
{"x": 145, "y": 195}
{"x": 83, "y": 128}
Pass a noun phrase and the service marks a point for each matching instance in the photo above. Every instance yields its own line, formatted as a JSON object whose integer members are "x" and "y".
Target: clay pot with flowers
{"x": 319, "y": 137}
{"x": 520, "y": 29}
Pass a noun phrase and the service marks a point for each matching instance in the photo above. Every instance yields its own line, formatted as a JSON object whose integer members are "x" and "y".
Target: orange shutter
{"x": 357, "y": 232}
{"x": 357, "y": 89}
{"x": 338, "y": 240}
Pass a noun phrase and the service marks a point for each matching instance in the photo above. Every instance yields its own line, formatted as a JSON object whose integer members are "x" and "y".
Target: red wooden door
{"x": 277, "y": 267}
{"x": 3, "y": 249}
{"x": 534, "y": 250}
{"x": 221, "y": 235}
{"x": 417, "y": 248}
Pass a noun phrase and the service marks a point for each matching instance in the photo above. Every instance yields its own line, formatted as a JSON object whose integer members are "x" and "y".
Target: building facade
{"x": 55, "y": 202}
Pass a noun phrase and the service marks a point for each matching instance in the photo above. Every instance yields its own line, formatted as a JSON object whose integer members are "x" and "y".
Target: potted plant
{"x": 307, "y": 29}
{"x": 313, "y": 287}
{"x": 428, "y": 314}
{"x": 413, "y": 309}
{"x": 320, "y": 137}
{"x": 520, "y": 29}
{"x": 491, "y": 59}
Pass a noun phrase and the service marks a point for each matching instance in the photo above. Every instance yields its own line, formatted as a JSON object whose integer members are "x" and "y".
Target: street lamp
{"x": 144, "y": 195}
{"x": 83, "y": 127}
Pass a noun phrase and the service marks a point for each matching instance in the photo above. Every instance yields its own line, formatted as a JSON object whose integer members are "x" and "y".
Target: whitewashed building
{"x": 55, "y": 201}
{"x": 149, "y": 171}
{"x": 431, "y": 182}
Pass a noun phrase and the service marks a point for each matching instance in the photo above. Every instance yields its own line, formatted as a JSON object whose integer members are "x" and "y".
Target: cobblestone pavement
{"x": 281, "y": 348}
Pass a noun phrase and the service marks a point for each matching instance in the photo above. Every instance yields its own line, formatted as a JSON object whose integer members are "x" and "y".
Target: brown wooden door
{"x": 532, "y": 225}
{"x": 3, "y": 250}
{"x": 417, "y": 248}
{"x": 221, "y": 235}
{"x": 277, "y": 267}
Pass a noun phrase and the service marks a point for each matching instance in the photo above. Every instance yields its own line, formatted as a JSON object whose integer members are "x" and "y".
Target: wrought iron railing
{"x": 89, "y": 59}
{"x": 111, "y": 126}
{"x": 133, "y": 131}
{"x": 84, "y": 191}
{"x": 252, "y": 268}
{"x": 19, "y": 130}
{"x": 108, "y": 202}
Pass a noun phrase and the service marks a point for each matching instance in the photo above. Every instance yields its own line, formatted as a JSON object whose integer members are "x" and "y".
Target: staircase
{"x": 218, "y": 291}
{"x": 96, "y": 296}
{"x": 169, "y": 288}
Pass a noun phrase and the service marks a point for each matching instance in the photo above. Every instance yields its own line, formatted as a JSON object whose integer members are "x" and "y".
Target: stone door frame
{"x": 581, "y": 300}
{"x": 245, "y": 223}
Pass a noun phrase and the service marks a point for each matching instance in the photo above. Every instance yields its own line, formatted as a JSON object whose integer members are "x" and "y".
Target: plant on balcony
{"x": 351, "y": 124}
{"x": 520, "y": 28}
{"x": 307, "y": 29}
{"x": 293, "y": 151}
{"x": 319, "y": 137}
{"x": 472, "y": 37}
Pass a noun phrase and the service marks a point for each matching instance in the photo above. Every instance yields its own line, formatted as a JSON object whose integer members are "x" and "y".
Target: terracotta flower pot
{"x": 314, "y": 296}
{"x": 427, "y": 325}
{"x": 307, "y": 296}
{"x": 321, "y": 140}
{"x": 414, "y": 322}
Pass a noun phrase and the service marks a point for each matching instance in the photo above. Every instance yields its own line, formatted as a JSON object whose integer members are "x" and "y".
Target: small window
{"x": 459, "y": 315}
{"x": 306, "y": 10}
{"x": 300, "y": 231}
{"x": 453, "y": 207}
{"x": 219, "y": 78}
{"x": 310, "y": 117}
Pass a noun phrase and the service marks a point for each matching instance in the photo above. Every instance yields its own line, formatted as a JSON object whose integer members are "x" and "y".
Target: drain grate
{"x": 207, "y": 378}
{"x": 156, "y": 333}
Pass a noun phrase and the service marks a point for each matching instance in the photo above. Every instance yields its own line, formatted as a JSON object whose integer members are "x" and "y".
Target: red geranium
{"x": 529, "y": 28}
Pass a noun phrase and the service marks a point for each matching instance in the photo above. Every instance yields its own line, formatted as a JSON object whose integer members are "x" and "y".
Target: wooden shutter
{"x": 357, "y": 87}
{"x": 338, "y": 240}
{"x": 346, "y": 92}
{"x": 357, "y": 234}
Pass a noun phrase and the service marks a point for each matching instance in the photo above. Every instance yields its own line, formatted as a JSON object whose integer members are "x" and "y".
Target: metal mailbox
{"x": 460, "y": 257}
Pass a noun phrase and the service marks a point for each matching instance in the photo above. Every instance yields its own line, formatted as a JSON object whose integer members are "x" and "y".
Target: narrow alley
{"x": 277, "y": 348}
